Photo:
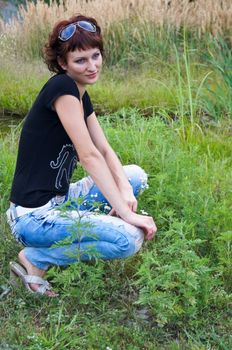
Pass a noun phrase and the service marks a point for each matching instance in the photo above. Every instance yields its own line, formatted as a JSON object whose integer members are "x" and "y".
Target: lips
{"x": 93, "y": 75}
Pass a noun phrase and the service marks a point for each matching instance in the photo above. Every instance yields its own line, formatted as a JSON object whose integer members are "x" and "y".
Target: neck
{"x": 81, "y": 89}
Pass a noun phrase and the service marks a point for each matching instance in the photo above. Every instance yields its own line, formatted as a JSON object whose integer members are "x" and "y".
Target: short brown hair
{"x": 56, "y": 49}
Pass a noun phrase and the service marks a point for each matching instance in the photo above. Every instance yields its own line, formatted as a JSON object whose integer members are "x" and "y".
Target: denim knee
{"x": 125, "y": 246}
{"x": 137, "y": 177}
{"x": 130, "y": 244}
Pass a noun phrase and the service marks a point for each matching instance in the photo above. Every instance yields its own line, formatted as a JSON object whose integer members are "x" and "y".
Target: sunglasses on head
{"x": 67, "y": 32}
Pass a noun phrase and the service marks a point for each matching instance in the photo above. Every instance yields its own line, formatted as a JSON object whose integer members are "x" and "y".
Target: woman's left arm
{"x": 114, "y": 164}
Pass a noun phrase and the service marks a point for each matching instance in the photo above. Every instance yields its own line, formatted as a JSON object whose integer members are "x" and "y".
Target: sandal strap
{"x": 33, "y": 279}
{"x": 37, "y": 280}
{"x": 42, "y": 289}
{"x": 17, "y": 268}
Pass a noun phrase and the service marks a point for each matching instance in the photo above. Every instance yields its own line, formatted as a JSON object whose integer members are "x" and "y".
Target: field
{"x": 165, "y": 103}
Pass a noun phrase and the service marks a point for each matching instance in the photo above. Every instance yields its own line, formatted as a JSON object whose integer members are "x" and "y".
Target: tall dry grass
{"x": 130, "y": 28}
{"x": 205, "y": 15}
{"x": 213, "y": 16}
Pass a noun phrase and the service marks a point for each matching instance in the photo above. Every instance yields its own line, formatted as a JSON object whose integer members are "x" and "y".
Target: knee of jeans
{"x": 130, "y": 244}
{"x": 138, "y": 240}
{"x": 137, "y": 177}
{"x": 126, "y": 246}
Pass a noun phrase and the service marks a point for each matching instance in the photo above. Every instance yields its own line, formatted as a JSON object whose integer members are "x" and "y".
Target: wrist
{"x": 126, "y": 214}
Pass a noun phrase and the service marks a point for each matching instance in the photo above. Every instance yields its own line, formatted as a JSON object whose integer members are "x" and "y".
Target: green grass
{"x": 174, "y": 294}
{"x": 162, "y": 89}
{"x": 20, "y": 86}
{"x": 164, "y": 70}
{"x": 166, "y": 100}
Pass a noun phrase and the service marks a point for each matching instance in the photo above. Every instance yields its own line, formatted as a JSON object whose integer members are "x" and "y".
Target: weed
{"x": 174, "y": 281}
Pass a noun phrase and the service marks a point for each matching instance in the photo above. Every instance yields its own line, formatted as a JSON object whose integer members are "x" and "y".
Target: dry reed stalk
{"x": 213, "y": 16}
{"x": 206, "y": 15}
{"x": 203, "y": 13}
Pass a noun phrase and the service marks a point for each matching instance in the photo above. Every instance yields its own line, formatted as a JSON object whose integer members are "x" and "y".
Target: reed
{"x": 27, "y": 32}
{"x": 205, "y": 15}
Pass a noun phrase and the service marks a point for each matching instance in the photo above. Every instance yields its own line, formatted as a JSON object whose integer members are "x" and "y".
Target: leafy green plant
{"x": 80, "y": 279}
{"x": 174, "y": 281}
{"x": 223, "y": 245}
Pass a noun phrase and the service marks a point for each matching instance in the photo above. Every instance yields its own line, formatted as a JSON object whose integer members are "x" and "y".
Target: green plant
{"x": 79, "y": 279}
{"x": 176, "y": 292}
{"x": 174, "y": 281}
{"x": 7, "y": 147}
{"x": 188, "y": 92}
{"x": 223, "y": 245}
{"x": 218, "y": 100}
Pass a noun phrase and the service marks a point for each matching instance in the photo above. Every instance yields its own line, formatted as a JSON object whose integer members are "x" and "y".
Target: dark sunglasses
{"x": 67, "y": 32}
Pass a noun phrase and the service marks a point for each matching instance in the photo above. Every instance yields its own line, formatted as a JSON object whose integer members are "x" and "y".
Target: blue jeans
{"x": 56, "y": 236}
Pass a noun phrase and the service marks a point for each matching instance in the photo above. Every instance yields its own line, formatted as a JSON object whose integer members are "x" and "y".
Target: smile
{"x": 92, "y": 75}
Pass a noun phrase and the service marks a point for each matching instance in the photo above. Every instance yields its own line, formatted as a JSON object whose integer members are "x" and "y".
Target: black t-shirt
{"x": 46, "y": 155}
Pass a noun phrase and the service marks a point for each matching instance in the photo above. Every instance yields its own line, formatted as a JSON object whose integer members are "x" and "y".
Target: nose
{"x": 92, "y": 66}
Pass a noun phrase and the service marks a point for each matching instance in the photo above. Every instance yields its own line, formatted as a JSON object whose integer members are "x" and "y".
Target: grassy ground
{"x": 176, "y": 292}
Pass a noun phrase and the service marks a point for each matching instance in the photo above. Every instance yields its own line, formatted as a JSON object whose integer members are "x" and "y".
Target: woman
{"x": 60, "y": 129}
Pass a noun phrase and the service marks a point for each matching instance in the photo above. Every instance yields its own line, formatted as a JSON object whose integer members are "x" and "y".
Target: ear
{"x": 62, "y": 63}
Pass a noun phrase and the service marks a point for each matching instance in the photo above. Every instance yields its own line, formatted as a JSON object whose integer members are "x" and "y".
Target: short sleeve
{"x": 60, "y": 85}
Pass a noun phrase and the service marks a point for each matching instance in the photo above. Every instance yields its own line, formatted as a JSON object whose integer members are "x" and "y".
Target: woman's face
{"x": 83, "y": 66}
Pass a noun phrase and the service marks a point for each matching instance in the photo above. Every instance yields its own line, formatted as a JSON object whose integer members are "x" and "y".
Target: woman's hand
{"x": 129, "y": 199}
{"x": 146, "y": 223}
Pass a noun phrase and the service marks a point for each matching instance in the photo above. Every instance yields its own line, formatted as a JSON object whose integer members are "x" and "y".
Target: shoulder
{"x": 61, "y": 84}
{"x": 58, "y": 85}
{"x": 60, "y": 80}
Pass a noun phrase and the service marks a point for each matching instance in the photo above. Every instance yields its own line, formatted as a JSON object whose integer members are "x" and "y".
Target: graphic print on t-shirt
{"x": 65, "y": 163}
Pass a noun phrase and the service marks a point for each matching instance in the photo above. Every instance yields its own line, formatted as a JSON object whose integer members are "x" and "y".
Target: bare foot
{"x": 34, "y": 271}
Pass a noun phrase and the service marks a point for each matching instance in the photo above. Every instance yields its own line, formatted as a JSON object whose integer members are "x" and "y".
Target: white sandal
{"x": 18, "y": 271}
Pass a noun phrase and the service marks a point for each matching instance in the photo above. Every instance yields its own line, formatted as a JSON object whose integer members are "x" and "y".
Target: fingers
{"x": 149, "y": 236}
{"x": 150, "y": 232}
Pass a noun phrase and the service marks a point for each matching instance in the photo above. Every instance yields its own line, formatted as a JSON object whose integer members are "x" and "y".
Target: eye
{"x": 80, "y": 60}
{"x": 96, "y": 55}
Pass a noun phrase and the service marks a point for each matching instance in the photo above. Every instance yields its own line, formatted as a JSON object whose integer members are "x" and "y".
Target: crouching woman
{"x": 61, "y": 129}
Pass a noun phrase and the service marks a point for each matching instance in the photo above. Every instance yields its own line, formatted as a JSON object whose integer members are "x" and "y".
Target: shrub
{"x": 174, "y": 281}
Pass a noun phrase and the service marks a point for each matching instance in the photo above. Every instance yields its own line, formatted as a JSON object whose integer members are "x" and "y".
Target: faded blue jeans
{"x": 53, "y": 236}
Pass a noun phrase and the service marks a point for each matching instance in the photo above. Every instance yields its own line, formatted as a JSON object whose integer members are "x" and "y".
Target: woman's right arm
{"x": 71, "y": 116}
